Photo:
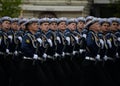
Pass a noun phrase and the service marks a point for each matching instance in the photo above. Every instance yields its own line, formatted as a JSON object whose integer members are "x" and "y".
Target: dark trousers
{"x": 3, "y": 77}
{"x": 93, "y": 74}
{"x": 32, "y": 74}
{"x": 112, "y": 71}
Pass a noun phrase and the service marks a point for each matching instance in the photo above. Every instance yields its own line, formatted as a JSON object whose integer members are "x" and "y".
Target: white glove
{"x": 109, "y": 43}
{"x": 16, "y": 53}
{"x": 68, "y": 40}
{"x": 118, "y": 39}
{"x": 7, "y": 51}
{"x": 102, "y": 43}
{"x": 105, "y": 58}
{"x": 117, "y": 55}
{"x": 10, "y": 37}
{"x": 50, "y": 42}
{"x": 81, "y": 50}
{"x": 20, "y": 38}
{"x": 84, "y": 35}
{"x": 35, "y": 56}
{"x": 58, "y": 38}
{"x": 74, "y": 52}
{"x": 76, "y": 38}
{"x": 39, "y": 40}
{"x": 98, "y": 57}
{"x": 63, "y": 54}
{"x": 0, "y": 41}
{"x": 56, "y": 55}
{"x": 44, "y": 55}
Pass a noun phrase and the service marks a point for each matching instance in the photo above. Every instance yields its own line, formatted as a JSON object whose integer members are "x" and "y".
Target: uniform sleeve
{"x": 67, "y": 37}
{"x": 91, "y": 45}
{"x": 89, "y": 39}
{"x": 108, "y": 36}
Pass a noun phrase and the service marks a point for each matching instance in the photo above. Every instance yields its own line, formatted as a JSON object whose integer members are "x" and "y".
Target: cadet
{"x": 19, "y": 35}
{"x": 44, "y": 27}
{"x": 114, "y": 49}
{"x": 31, "y": 74}
{"x": 44, "y": 52}
{"x": 111, "y": 40}
{"x": 55, "y": 65}
{"x": 76, "y": 59}
{"x": 70, "y": 40}
{"x": 92, "y": 49}
{"x": 51, "y": 35}
{"x": 16, "y": 34}
{"x": 3, "y": 49}
{"x": 12, "y": 43}
{"x": 12, "y": 35}
{"x": 115, "y": 29}
{"x": 63, "y": 80}
{"x": 60, "y": 37}
{"x": 68, "y": 47}
{"x": 29, "y": 42}
{"x": 83, "y": 33}
{"x": 5, "y": 27}
{"x": 104, "y": 27}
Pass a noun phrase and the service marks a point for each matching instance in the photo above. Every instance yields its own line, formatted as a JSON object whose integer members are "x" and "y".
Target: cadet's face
{"x": 6, "y": 25}
{"x": 22, "y": 26}
{"x": 114, "y": 26}
{"x": 14, "y": 26}
{"x": 72, "y": 26}
{"x": 53, "y": 26}
{"x": 34, "y": 27}
{"x": 62, "y": 25}
{"x": 105, "y": 27}
{"x": 80, "y": 25}
{"x": 95, "y": 27}
{"x": 44, "y": 26}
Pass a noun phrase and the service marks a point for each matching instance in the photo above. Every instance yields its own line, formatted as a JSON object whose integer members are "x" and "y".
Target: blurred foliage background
{"x": 10, "y": 8}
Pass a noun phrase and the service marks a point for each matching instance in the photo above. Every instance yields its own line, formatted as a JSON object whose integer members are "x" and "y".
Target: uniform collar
{"x": 92, "y": 31}
{"x": 29, "y": 32}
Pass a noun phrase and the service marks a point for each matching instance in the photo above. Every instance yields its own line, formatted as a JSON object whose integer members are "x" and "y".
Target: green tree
{"x": 10, "y": 8}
